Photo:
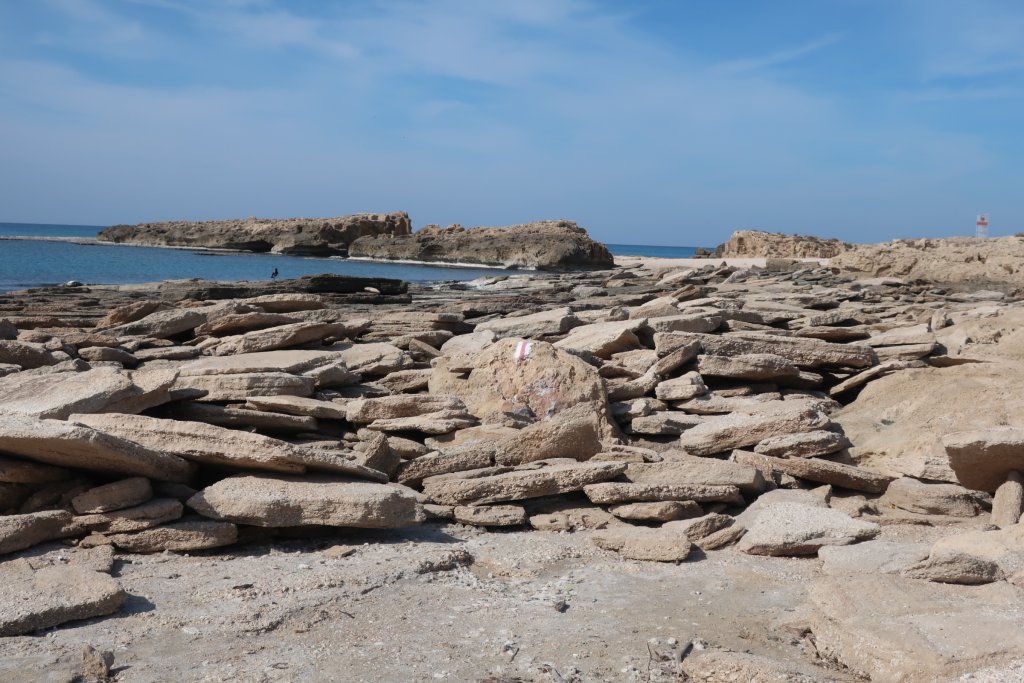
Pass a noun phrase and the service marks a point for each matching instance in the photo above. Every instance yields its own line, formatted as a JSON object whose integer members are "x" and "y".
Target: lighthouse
{"x": 981, "y": 225}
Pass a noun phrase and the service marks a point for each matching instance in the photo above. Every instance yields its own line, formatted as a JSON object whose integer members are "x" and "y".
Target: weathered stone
{"x": 374, "y": 359}
{"x": 722, "y": 538}
{"x": 25, "y": 354}
{"x": 183, "y": 536}
{"x": 798, "y": 529}
{"x": 36, "y": 599}
{"x": 114, "y": 496}
{"x": 297, "y": 405}
{"x": 291, "y": 361}
{"x": 620, "y": 389}
{"x": 71, "y": 445}
{"x": 296, "y": 501}
{"x": 18, "y": 532}
{"x": 163, "y": 323}
{"x": 660, "y": 511}
{"x": 676, "y": 357}
{"x": 289, "y": 302}
{"x": 404, "y": 381}
{"x": 608, "y": 493}
{"x": 14, "y": 471}
{"x": 700, "y": 527}
{"x": 819, "y": 470}
{"x": 664, "y": 423}
{"x": 457, "y": 459}
{"x": 891, "y": 628}
{"x": 282, "y": 336}
{"x": 237, "y": 323}
{"x": 678, "y": 468}
{"x": 801, "y": 351}
{"x": 145, "y": 516}
{"x": 871, "y": 557}
{"x": 983, "y": 459}
{"x": 642, "y": 543}
{"x": 365, "y": 411}
{"x": 1005, "y": 547}
{"x": 166, "y": 353}
{"x": 721, "y": 666}
{"x": 573, "y": 433}
{"x": 532, "y": 481}
{"x": 604, "y": 339}
{"x": 1008, "y": 502}
{"x": 95, "y": 354}
{"x": 240, "y": 418}
{"x": 959, "y": 568}
{"x": 750, "y": 366}
{"x": 681, "y": 388}
{"x": 241, "y": 386}
{"x": 555, "y": 321}
{"x": 719, "y": 434}
{"x": 930, "y": 499}
{"x": 129, "y": 313}
{"x": 491, "y": 515}
{"x": 442, "y": 422}
{"x": 687, "y": 322}
{"x": 57, "y": 396}
{"x": 803, "y": 445}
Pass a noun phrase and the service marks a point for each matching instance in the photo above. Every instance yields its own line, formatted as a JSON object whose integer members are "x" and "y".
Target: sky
{"x": 648, "y": 122}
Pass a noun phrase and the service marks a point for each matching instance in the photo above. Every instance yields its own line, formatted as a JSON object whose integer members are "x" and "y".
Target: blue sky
{"x": 647, "y": 122}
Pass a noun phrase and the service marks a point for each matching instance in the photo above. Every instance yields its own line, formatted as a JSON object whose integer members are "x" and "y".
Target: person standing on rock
{"x": 274, "y": 274}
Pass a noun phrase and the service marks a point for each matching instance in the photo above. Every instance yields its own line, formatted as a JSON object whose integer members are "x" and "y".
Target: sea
{"x": 46, "y": 256}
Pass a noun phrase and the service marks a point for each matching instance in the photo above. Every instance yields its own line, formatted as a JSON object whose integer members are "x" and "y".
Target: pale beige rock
{"x": 721, "y": 666}
{"x": 676, "y": 357}
{"x": 286, "y": 303}
{"x": 491, "y": 515}
{"x": 457, "y": 459}
{"x": 236, "y": 323}
{"x": 291, "y": 361}
{"x": 983, "y": 459}
{"x": 722, "y": 538}
{"x": 57, "y": 396}
{"x": 18, "y": 532}
{"x": 297, "y": 405}
{"x": 700, "y": 527}
{"x": 604, "y": 339}
{"x": 1005, "y": 547}
{"x": 803, "y": 445}
{"x": 664, "y": 423}
{"x": 103, "y": 354}
{"x": 117, "y": 495}
{"x": 268, "y": 501}
{"x": 367, "y": 410}
{"x": 617, "y": 492}
{"x": 749, "y": 366}
{"x": 373, "y": 359}
{"x": 1008, "y": 502}
{"x": 818, "y": 470}
{"x": 555, "y": 321}
{"x": 642, "y": 543}
{"x": 959, "y": 568}
{"x": 199, "y": 442}
{"x": 184, "y": 536}
{"x": 66, "y": 444}
{"x": 573, "y": 433}
{"x": 798, "y": 529}
{"x": 801, "y": 351}
{"x": 128, "y": 313}
{"x": 723, "y": 433}
{"x": 930, "y": 499}
{"x": 241, "y": 418}
{"x": 25, "y": 354}
{"x": 891, "y": 628}
{"x": 14, "y": 471}
{"x": 406, "y": 381}
{"x": 882, "y": 557}
{"x": 531, "y": 481}
{"x": 282, "y": 336}
{"x": 242, "y": 386}
{"x": 681, "y": 388}
{"x": 162, "y": 323}
{"x": 687, "y": 322}
{"x": 660, "y": 511}
{"x": 36, "y": 599}
{"x": 145, "y": 516}
{"x": 460, "y": 352}
{"x": 679, "y": 468}
{"x": 442, "y": 422}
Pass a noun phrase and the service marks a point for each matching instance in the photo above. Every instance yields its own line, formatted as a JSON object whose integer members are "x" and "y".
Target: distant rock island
{"x": 760, "y": 244}
{"x": 540, "y": 245}
{"x": 296, "y": 236}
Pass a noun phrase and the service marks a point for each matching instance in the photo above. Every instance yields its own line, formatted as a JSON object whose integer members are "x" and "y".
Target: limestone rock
{"x": 700, "y": 527}
{"x": 145, "y": 516}
{"x": 114, "y": 496}
{"x": 238, "y": 323}
{"x": 25, "y": 354}
{"x": 279, "y": 501}
{"x": 573, "y": 433}
{"x": 609, "y": 493}
{"x": 36, "y": 599}
{"x": 604, "y": 339}
{"x": 958, "y": 568}
{"x": 18, "y": 532}
{"x": 803, "y": 445}
{"x": 719, "y": 434}
{"x": 282, "y": 336}
{"x": 872, "y": 557}
{"x": 14, "y": 471}
{"x": 930, "y": 499}
{"x": 751, "y": 366}
{"x": 663, "y": 511}
{"x": 679, "y": 468}
{"x": 664, "y": 423}
{"x": 642, "y": 543}
{"x": 531, "y": 481}
{"x": 367, "y": 410}
{"x": 798, "y": 529}
{"x": 297, "y": 405}
{"x": 681, "y": 388}
{"x": 1008, "y": 502}
{"x": 183, "y": 536}
{"x": 983, "y": 459}
{"x": 819, "y": 470}
{"x": 555, "y": 321}
{"x": 491, "y": 515}
{"x": 758, "y": 243}
{"x": 241, "y": 386}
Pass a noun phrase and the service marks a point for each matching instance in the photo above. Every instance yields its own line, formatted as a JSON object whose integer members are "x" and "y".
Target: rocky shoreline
{"x": 707, "y": 417}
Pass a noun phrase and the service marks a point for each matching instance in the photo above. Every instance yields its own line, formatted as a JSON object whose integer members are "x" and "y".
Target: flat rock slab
{"x": 610, "y": 493}
{"x": 25, "y": 354}
{"x": 681, "y": 388}
{"x": 242, "y": 385}
{"x": 289, "y": 361}
{"x": 662, "y": 511}
{"x": 145, "y": 516}
{"x": 892, "y": 628}
{"x": 282, "y": 336}
{"x": 748, "y": 366}
{"x": 58, "y": 395}
{"x": 677, "y": 468}
{"x": 604, "y": 339}
{"x": 818, "y": 470}
{"x": 642, "y": 543}
{"x": 199, "y": 442}
{"x": 184, "y": 536}
{"x": 930, "y": 499}
{"x": 15, "y": 471}
{"x": 297, "y": 501}
{"x": 114, "y": 496}
{"x": 491, "y": 515}
{"x": 803, "y": 352}
{"x": 727, "y": 432}
{"x": 555, "y": 321}
{"x": 18, "y": 532}
{"x": 983, "y": 459}
{"x": 366, "y": 410}
{"x": 35, "y": 599}
{"x": 574, "y": 433}
{"x": 66, "y": 444}
{"x": 872, "y": 557}
{"x": 297, "y": 405}
{"x": 534, "y": 481}
{"x": 803, "y": 445}
{"x": 798, "y": 529}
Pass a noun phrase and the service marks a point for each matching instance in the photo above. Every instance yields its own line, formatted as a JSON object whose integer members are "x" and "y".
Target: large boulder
{"x": 983, "y": 458}
{"x": 798, "y": 529}
{"x": 541, "y": 245}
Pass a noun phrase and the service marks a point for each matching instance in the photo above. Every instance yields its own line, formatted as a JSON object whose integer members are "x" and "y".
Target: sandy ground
{"x": 656, "y": 263}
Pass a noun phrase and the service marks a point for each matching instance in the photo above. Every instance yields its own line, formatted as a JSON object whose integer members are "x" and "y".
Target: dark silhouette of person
{"x": 274, "y": 274}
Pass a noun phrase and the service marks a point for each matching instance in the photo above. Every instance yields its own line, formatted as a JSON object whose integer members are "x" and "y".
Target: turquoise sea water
{"x": 36, "y": 263}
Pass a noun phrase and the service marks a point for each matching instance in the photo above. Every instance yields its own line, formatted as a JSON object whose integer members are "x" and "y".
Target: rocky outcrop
{"x": 300, "y": 236}
{"x": 967, "y": 262}
{"x": 541, "y": 245}
{"x": 760, "y": 244}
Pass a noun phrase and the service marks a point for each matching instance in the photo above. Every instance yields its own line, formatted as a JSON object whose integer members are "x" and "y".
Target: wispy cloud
{"x": 778, "y": 57}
